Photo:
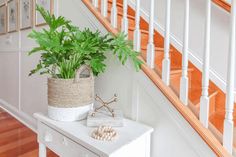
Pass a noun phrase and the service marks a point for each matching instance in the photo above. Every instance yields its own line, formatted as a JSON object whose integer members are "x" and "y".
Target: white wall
{"x": 219, "y": 33}
{"x": 138, "y": 96}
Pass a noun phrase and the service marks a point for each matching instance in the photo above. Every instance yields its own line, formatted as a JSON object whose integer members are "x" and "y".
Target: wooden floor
{"x": 16, "y": 140}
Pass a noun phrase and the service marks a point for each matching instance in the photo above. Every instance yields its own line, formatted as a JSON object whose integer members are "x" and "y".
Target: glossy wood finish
{"x": 217, "y": 97}
{"x": 16, "y": 140}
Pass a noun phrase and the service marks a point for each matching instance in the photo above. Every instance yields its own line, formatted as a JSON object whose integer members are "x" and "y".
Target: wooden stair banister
{"x": 143, "y": 28}
{"x": 206, "y": 135}
{"x": 222, "y": 3}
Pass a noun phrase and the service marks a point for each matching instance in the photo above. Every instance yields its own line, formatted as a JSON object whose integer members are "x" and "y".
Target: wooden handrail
{"x": 188, "y": 115}
{"x": 222, "y": 3}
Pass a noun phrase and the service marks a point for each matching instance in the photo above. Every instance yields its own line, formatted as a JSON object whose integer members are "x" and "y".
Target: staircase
{"x": 206, "y": 118}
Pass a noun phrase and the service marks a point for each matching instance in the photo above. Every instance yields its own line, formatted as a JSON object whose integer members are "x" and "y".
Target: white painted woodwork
{"x": 101, "y": 117}
{"x": 95, "y": 3}
{"x": 229, "y": 108}
{"x": 135, "y": 100}
{"x": 125, "y": 21}
{"x": 154, "y": 108}
{"x": 204, "y": 100}
{"x": 184, "y": 81}
{"x": 137, "y": 33}
{"x": 42, "y": 150}
{"x": 104, "y": 8}
{"x": 114, "y": 14}
{"x": 166, "y": 60}
{"x": 151, "y": 46}
{"x": 71, "y": 139}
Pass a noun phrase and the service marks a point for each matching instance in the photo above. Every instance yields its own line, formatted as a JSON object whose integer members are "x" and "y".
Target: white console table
{"x": 72, "y": 139}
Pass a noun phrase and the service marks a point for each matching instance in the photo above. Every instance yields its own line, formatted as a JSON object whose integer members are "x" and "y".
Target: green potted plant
{"x": 72, "y": 57}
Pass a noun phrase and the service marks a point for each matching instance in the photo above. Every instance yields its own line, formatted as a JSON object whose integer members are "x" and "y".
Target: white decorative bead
{"x": 104, "y": 133}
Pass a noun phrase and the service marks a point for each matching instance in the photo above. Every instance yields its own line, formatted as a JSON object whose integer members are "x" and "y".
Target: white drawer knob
{"x": 48, "y": 137}
{"x": 64, "y": 141}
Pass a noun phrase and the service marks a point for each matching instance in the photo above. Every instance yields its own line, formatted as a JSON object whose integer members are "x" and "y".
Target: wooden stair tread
{"x": 178, "y": 70}
{"x": 159, "y": 55}
{"x": 195, "y": 94}
{"x": 217, "y": 120}
{"x": 141, "y": 30}
{"x": 157, "y": 49}
{"x": 118, "y": 3}
{"x": 120, "y": 14}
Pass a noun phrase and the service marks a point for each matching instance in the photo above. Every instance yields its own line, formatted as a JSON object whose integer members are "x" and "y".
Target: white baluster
{"x": 114, "y": 14}
{"x": 184, "y": 79}
{"x": 228, "y": 122}
{"x": 151, "y": 46}
{"x": 204, "y": 100}
{"x": 137, "y": 33}
{"x": 125, "y": 21}
{"x": 166, "y": 60}
{"x": 95, "y": 3}
{"x": 104, "y": 8}
{"x": 42, "y": 150}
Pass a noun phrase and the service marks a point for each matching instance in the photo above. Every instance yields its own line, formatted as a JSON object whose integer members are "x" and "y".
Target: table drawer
{"x": 60, "y": 144}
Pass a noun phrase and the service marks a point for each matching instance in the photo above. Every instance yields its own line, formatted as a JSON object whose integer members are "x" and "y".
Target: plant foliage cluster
{"x": 64, "y": 48}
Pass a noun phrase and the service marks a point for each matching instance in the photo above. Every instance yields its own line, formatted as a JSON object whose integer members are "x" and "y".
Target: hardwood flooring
{"x": 16, "y": 140}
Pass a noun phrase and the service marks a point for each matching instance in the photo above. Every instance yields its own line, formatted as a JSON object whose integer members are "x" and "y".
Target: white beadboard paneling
{"x": 72, "y": 10}
{"x": 9, "y": 76}
{"x": 9, "y": 42}
{"x": 34, "y": 88}
{"x": 164, "y": 130}
{"x": 26, "y": 43}
{"x": 120, "y": 82}
{"x": 2, "y": 2}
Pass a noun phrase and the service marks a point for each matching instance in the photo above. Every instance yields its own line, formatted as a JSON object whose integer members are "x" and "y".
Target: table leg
{"x": 42, "y": 150}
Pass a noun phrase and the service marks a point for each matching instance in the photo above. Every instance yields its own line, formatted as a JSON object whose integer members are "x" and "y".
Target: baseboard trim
{"x": 214, "y": 76}
{"x": 24, "y": 118}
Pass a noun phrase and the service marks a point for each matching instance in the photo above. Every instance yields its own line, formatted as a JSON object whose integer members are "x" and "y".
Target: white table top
{"x": 80, "y": 133}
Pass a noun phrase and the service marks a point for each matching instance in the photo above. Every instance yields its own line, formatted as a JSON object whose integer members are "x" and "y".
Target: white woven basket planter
{"x": 71, "y": 99}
